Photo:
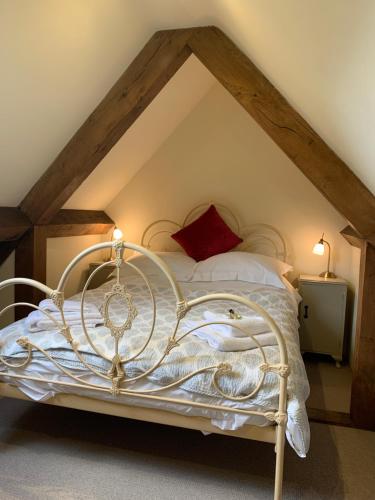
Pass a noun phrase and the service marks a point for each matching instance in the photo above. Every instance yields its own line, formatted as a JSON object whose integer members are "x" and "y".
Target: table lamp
{"x": 319, "y": 250}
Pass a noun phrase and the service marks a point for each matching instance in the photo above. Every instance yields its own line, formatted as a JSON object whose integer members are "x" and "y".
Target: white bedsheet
{"x": 192, "y": 354}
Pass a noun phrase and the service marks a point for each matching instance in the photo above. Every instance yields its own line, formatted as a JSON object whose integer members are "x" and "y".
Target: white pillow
{"x": 181, "y": 265}
{"x": 242, "y": 266}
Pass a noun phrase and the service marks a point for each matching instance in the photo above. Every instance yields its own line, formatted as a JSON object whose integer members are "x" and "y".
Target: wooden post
{"x": 30, "y": 262}
{"x": 362, "y": 410}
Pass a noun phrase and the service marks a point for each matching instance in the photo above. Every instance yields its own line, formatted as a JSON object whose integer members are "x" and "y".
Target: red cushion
{"x": 207, "y": 236}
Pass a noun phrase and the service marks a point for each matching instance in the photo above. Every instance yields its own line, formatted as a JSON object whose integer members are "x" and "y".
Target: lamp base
{"x": 327, "y": 274}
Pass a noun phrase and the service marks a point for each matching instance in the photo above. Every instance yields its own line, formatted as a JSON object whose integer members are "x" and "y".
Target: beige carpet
{"x": 55, "y": 453}
{"x": 330, "y": 387}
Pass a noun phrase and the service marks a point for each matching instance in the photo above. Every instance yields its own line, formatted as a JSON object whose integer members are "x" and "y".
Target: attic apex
{"x": 153, "y": 67}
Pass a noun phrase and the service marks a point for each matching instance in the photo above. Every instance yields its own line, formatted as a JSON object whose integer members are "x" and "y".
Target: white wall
{"x": 60, "y": 251}
{"x": 219, "y": 153}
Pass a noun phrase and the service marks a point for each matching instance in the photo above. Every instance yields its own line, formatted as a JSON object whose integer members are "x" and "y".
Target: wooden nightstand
{"x": 101, "y": 276}
{"x": 322, "y": 315}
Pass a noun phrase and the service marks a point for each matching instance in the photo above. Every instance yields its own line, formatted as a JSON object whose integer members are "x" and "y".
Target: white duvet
{"x": 191, "y": 355}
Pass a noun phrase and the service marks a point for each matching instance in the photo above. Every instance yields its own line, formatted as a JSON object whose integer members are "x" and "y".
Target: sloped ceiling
{"x": 58, "y": 59}
{"x": 169, "y": 108}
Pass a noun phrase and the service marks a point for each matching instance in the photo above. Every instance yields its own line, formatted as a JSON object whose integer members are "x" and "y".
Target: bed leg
{"x": 279, "y": 449}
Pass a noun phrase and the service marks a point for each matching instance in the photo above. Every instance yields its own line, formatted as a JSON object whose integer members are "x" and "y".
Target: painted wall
{"x": 219, "y": 153}
{"x": 60, "y": 251}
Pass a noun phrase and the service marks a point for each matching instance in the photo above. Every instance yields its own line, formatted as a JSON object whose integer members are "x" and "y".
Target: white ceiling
{"x": 58, "y": 59}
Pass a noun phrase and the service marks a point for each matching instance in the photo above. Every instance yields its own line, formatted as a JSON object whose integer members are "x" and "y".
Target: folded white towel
{"x": 37, "y": 321}
{"x": 222, "y": 340}
{"x": 253, "y": 325}
{"x": 69, "y": 306}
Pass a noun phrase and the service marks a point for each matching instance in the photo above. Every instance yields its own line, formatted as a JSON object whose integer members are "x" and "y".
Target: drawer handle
{"x": 306, "y": 313}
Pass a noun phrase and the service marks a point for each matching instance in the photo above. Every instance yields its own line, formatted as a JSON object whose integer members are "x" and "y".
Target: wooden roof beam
{"x": 330, "y": 175}
{"x": 65, "y": 223}
{"x": 13, "y": 223}
{"x": 354, "y": 238}
{"x": 79, "y": 223}
{"x": 157, "y": 62}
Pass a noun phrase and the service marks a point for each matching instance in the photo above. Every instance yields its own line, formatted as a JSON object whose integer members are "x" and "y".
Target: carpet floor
{"x": 330, "y": 387}
{"x": 56, "y": 453}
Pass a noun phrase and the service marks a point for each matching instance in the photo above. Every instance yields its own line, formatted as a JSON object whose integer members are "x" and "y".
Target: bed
{"x": 147, "y": 362}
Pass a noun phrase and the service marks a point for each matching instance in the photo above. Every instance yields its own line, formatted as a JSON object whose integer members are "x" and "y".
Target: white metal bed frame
{"x": 116, "y": 381}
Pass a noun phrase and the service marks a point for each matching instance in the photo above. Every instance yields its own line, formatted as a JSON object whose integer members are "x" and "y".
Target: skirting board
{"x": 266, "y": 434}
{"x": 330, "y": 417}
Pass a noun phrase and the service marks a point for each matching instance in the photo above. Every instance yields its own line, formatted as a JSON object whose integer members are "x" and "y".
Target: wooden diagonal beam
{"x": 13, "y": 223}
{"x": 142, "y": 81}
{"x": 330, "y": 175}
{"x": 157, "y": 62}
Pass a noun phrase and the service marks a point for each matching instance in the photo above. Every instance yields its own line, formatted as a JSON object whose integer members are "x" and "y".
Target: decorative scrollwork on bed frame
{"x": 257, "y": 238}
{"x": 116, "y": 380}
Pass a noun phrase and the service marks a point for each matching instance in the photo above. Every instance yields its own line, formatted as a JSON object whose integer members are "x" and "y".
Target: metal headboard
{"x": 258, "y": 238}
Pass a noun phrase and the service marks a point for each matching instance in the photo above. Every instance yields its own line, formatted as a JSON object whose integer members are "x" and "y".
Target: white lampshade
{"x": 318, "y": 249}
{"x": 117, "y": 234}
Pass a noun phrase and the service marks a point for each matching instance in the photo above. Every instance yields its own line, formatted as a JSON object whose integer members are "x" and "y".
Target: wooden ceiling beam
{"x": 354, "y": 238}
{"x": 65, "y": 223}
{"x": 13, "y": 223}
{"x": 31, "y": 249}
{"x": 330, "y": 175}
{"x": 157, "y": 62}
{"x": 79, "y": 223}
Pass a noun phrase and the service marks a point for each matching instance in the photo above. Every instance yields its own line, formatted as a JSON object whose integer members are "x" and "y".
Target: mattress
{"x": 192, "y": 354}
